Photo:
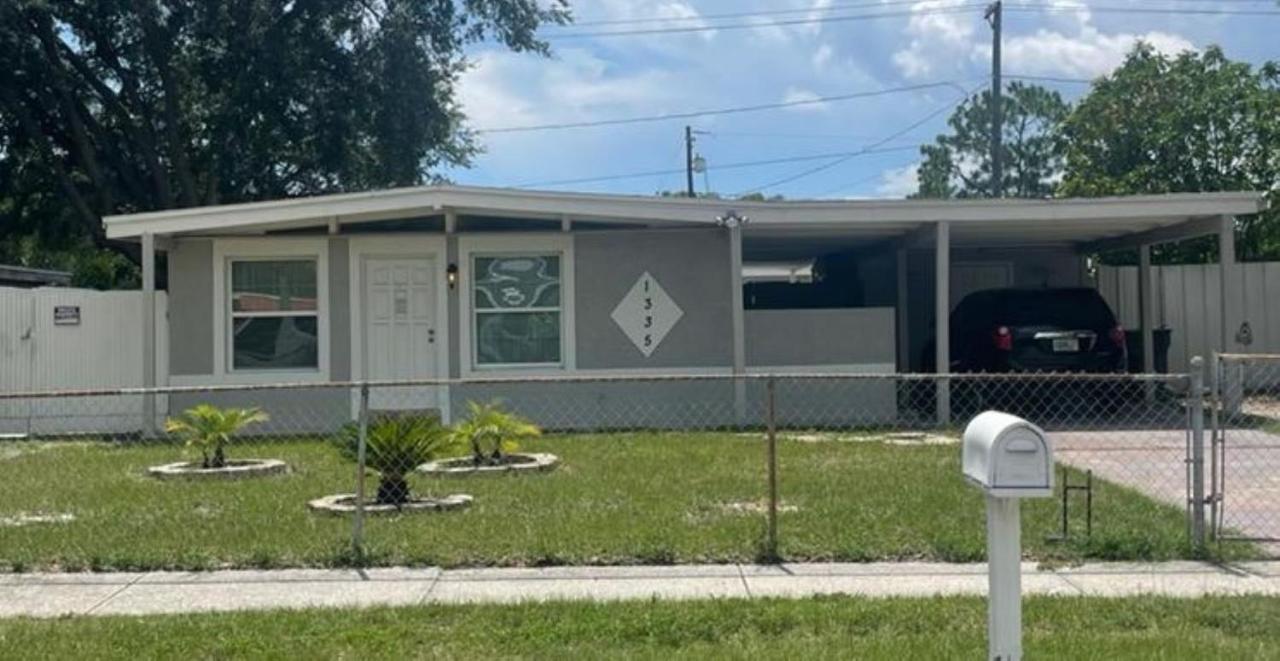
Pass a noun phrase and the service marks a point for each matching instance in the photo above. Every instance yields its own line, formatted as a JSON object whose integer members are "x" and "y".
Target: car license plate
{"x": 1065, "y": 344}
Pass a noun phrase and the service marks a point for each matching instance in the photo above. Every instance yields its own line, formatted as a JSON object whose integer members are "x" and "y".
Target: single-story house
{"x": 483, "y": 284}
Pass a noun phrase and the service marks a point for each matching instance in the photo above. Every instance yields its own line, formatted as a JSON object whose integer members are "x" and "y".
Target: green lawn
{"x": 818, "y": 628}
{"x": 618, "y": 498}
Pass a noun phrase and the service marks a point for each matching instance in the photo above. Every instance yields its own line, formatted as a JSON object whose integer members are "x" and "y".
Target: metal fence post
{"x": 357, "y": 526}
{"x": 1196, "y": 411}
{"x": 1215, "y": 448}
{"x": 771, "y": 459}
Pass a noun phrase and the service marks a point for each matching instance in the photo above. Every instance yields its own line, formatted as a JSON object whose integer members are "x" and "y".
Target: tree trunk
{"x": 393, "y": 490}
{"x": 219, "y": 458}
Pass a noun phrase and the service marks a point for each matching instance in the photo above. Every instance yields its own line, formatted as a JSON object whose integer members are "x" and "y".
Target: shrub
{"x": 210, "y": 429}
{"x": 395, "y": 446}
{"x": 491, "y": 432}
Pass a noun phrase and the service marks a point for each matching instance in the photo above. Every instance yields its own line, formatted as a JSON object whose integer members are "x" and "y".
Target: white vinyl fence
{"x": 75, "y": 339}
{"x": 1188, "y": 301}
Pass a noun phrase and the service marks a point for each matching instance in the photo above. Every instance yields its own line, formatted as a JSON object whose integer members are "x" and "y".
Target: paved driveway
{"x": 1153, "y": 461}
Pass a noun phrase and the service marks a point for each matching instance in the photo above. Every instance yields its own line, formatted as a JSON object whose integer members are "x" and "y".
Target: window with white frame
{"x": 517, "y": 309}
{"x": 274, "y": 314}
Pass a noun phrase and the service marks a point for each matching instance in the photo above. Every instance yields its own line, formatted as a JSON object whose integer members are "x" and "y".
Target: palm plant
{"x": 394, "y": 446}
{"x": 491, "y": 432}
{"x": 210, "y": 429}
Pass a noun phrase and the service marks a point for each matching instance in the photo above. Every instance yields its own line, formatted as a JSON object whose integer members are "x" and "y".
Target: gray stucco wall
{"x": 190, "y": 307}
{"x": 839, "y": 336}
{"x": 703, "y": 404}
{"x": 339, "y": 310}
{"x": 692, "y": 266}
{"x": 293, "y": 411}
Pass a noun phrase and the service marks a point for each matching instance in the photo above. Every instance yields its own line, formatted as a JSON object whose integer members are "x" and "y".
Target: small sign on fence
{"x": 66, "y": 315}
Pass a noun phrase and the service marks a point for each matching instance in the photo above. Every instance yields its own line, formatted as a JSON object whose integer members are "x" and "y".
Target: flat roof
{"x": 979, "y": 221}
{"x": 35, "y": 277}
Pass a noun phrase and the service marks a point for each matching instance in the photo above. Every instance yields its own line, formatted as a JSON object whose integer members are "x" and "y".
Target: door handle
{"x": 431, "y": 335}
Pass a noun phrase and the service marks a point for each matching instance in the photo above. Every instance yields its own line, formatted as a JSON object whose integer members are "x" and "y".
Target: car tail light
{"x": 1003, "y": 338}
{"x": 1117, "y": 337}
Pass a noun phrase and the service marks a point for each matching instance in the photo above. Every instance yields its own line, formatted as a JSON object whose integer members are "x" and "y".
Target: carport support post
{"x": 1226, "y": 266}
{"x": 942, "y": 316}
{"x": 739, "y": 324}
{"x": 149, "y": 333}
{"x": 1232, "y": 385}
{"x": 1147, "y": 317}
{"x": 904, "y": 345}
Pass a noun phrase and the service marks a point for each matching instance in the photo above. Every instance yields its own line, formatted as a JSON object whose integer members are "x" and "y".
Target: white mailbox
{"x": 1007, "y": 456}
{"x": 1009, "y": 459}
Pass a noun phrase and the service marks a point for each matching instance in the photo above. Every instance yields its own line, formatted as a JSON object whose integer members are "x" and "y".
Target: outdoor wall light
{"x": 731, "y": 219}
{"x": 451, "y": 275}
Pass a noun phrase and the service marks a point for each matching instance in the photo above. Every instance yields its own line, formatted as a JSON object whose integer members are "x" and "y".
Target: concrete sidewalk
{"x": 47, "y": 595}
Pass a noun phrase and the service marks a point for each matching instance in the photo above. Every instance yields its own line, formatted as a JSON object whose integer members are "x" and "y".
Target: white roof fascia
{"x": 599, "y": 207}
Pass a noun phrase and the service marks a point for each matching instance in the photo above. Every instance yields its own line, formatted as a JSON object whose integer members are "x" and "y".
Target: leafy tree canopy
{"x": 1187, "y": 123}
{"x": 958, "y": 164}
{"x": 119, "y": 106}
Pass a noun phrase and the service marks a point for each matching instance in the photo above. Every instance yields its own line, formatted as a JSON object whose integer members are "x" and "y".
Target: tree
{"x": 1187, "y": 123}
{"x": 209, "y": 429}
{"x": 958, "y": 164}
{"x": 119, "y": 106}
{"x": 492, "y": 433}
{"x": 395, "y": 445}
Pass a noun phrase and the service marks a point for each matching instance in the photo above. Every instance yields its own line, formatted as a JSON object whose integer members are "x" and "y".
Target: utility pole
{"x": 993, "y": 15}
{"x": 688, "y": 160}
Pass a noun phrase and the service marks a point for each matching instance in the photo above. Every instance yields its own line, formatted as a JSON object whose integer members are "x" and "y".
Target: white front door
{"x": 400, "y": 330}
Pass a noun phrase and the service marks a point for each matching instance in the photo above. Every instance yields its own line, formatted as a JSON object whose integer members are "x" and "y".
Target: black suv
{"x": 1034, "y": 330}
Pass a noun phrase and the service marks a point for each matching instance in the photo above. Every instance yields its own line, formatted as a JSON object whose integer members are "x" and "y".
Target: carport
{"x": 917, "y": 240}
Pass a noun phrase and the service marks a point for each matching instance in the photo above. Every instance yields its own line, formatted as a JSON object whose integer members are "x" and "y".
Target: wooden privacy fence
{"x": 75, "y": 339}
{"x": 1188, "y": 301}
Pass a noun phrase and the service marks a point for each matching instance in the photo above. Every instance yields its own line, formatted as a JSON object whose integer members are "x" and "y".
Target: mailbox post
{"x": 1009, "y": 459}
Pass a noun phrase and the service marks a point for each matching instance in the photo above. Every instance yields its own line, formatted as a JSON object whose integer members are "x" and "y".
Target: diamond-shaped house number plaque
{"x": 646, "y": 314}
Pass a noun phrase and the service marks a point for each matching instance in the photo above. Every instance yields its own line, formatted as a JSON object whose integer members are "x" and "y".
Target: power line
{"x": 743, "y": 14}
{"x": 867, "y": 149}
{"x": 1050, "y": 79}
{"x": 719, "y": 133}
{"x": 726, "y": 166}
{"x": 834, "y": 7}
{"x": 717, "y": 111}
{"x": 1171, "y": 11}
{"x": 955, "y": 9}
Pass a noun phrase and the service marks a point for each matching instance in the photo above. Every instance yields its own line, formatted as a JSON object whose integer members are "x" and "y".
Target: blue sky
{"x": 596, "y": 78}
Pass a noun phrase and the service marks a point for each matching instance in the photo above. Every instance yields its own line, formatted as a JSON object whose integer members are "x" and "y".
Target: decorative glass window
{"x": 517, "y": 310}
{"x": 274, "y": 314}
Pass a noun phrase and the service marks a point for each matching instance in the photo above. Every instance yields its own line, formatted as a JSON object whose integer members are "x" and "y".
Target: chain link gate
{"x": 1245, "y": 456}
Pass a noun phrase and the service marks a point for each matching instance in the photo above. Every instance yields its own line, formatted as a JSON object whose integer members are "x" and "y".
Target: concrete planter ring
{"x": 514, "y": 463}
{"x": 236, "y": 469}
{"x": 345, "y": 503}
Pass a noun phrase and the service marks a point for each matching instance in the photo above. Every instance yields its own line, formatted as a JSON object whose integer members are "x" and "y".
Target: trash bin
{"x": 1133, "y": 340}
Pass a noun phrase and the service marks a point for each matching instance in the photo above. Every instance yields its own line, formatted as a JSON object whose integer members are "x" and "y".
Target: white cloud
{"x": 822, "y": 56}
{"x": 935, "y": 38}
{"x": 808, "y": 97}
{"x": 898, "y": 182}
{"x": 1089, "y": 53}
{"x": 1070, "y": 45}
{"x": 512, "y": 89}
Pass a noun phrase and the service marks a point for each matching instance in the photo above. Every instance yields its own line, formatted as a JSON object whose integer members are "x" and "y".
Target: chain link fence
{"x": 1245, "y": 474}
{"x": 586, "y": 470}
